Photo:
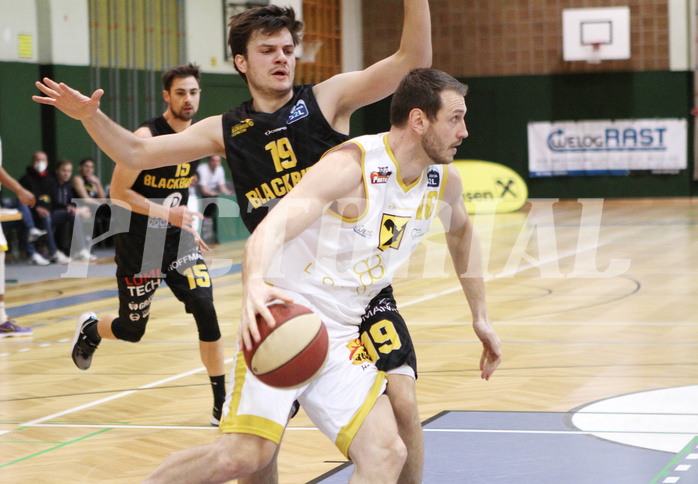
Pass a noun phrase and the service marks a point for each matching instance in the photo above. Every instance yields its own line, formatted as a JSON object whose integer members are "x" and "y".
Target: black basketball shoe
{"x": 83, "y": 345}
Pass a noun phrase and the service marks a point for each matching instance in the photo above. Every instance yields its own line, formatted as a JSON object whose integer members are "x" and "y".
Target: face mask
{"x": 41, "y": 166}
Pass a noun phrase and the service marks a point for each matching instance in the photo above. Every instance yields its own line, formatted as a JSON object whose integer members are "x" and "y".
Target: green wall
{"x": 26, "y": 127}
{"x": 499, "y": 109}
{"x": 20, "y": 117}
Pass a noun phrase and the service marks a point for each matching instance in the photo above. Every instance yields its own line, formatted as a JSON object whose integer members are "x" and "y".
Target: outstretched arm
{"x": 200, "y": 140}
{"x": 336, "y": 176}
{"x": 122, "y": 194}
{"x": 23, "y": 195}
{"x": 343, "y": 94}
{"x": 464, "y": 246}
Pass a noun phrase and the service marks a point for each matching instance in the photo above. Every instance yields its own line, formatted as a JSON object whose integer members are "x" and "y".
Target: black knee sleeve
{"x": 206, "y": 320}
{"x": 131, "y": 331}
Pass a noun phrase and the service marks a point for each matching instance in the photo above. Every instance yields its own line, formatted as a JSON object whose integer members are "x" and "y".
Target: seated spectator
{"x": 48, "y": 213}
{"x": 66, "y": 217}
{"x": 88, "y": 188}
{"x": 212, "y": 183}
{"x": 42, "y": 185}
{"x": 212, "y": 180}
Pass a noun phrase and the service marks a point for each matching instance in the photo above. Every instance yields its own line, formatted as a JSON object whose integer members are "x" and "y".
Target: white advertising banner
{"x": 572, "y": 148}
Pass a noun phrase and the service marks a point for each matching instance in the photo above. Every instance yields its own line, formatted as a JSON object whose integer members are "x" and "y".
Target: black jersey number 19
{"x": 183, "y": 169}
{"x": 282, "y": 154}
{"x": 382, "y": 337}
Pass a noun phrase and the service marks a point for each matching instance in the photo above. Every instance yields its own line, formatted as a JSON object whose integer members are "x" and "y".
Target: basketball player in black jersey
{"x": 270, "y": 141}
{"x": 157, "y": 199}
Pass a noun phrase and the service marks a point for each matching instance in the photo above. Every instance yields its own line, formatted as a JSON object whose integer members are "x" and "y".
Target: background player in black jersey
{"x": 272, "y": 139}
{"x": 169, "y": 253}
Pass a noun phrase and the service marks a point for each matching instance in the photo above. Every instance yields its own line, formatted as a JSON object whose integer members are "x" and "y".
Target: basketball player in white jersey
{"x": 262, "y": 43}
{"x": 331, "y": 244}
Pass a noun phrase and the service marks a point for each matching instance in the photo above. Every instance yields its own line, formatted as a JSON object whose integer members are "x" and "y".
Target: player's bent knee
{"x": 398, "y": 453}
{"x": 128, "y": 332}
{"x": 206, "y": 320}
{"x": 387, "y": 459}
{"x": 240, "y": 455}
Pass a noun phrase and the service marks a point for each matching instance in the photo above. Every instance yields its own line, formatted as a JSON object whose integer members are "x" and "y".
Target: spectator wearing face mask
{"x": 38, "y": 182}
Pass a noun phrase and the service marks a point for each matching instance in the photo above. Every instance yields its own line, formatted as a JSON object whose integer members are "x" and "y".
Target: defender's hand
{"x": 71, "y": 102}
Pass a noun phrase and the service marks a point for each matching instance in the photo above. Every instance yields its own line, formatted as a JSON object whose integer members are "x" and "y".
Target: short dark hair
{"x": 267, "y": 20}
{"x": 185, "y": 70}
{"x": 63, "y": 161}
{"x": 421, "y": 89}
{"x": 85, "y": 160}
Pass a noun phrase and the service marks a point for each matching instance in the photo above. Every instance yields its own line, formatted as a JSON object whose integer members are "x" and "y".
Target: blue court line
{"x": 63, "y": 302}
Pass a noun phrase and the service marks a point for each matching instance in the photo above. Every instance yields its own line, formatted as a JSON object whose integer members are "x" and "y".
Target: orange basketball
{"x": 293, "y": 352}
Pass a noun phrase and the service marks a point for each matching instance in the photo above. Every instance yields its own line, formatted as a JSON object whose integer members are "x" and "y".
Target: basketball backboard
{"x": 595, "y": 34}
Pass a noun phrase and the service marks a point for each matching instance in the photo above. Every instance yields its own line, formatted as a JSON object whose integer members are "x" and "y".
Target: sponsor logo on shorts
{"x": 383, "y": 306}
{"x": 135, "y": 306}
{"x": 193, "y": 256}
{"x": 146, "y": 286}
{"x": 357, "y": 353}
{"x": 142, "y": 278}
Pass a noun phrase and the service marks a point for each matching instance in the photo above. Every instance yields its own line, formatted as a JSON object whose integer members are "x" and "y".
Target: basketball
{"x": 293, "y": 352}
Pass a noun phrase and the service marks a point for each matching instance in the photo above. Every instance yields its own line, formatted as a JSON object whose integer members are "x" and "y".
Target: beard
{"x": 435, "y": 149}
{"x": 184, "y": 116}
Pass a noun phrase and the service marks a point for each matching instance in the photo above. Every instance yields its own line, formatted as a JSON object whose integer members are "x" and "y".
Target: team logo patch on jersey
{"x": 392, "y": 231}
{"x": 381, "y": 176}
{"x": 433, "y": 178}
{"x": 299, "y": 111}
{"x": 357, "y": 353}
{"x": 241, "y": 127}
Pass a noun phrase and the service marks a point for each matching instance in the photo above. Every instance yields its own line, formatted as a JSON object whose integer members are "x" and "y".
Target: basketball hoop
{"x": 310, "y": 51}
{"x": 595, "y": 55}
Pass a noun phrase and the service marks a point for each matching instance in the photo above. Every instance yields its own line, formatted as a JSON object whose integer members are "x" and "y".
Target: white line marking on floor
{"x": 114, "y": 397}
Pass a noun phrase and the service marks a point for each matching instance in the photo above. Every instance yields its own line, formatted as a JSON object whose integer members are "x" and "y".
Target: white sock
{"x": 3, "y": 314}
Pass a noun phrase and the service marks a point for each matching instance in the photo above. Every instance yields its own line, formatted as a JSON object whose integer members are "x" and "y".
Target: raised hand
{"x": 71, "y": 102}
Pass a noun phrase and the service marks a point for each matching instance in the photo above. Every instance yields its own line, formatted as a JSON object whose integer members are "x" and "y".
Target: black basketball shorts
{"x": 384, "y": 334}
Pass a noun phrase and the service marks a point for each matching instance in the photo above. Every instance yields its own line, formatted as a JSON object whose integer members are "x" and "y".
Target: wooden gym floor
{"x": 595, "y": 303}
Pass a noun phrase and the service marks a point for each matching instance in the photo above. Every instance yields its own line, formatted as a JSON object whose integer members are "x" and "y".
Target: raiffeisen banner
{"x": 616, "y": 147}
{"x": 489, "y": 187}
